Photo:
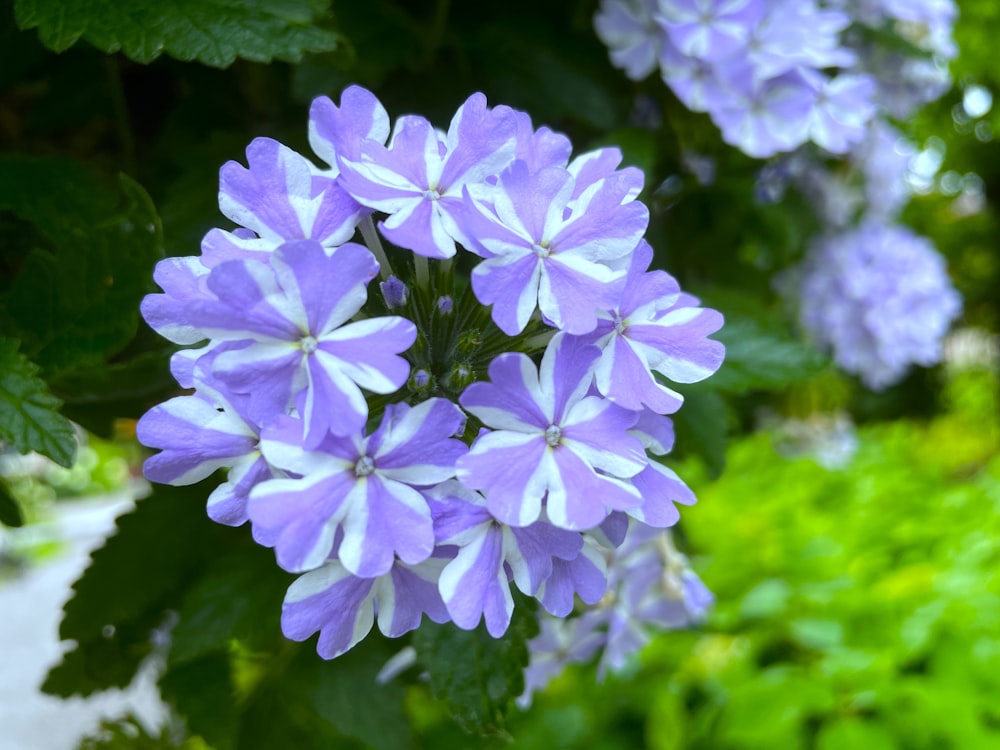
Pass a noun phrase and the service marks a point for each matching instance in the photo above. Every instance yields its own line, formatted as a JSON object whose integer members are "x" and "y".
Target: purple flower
{"x": 283, "y": 197}
{"x": 763, "y": 118}
{"x": 884, "y": 160}
{"x": 659, "y": 485}
{"x": 844, "y": 106}
{"x": 632, "y": 36}
{"x": 475, "y": 584}
{"x": 200, "y": 434}
{"x": 647, "y": 330}
{"x": 709, "y": 30}
{"x": 294, "y": 316}
{"x": 541, "y": 250}
{"x": 878, "y": 296}
{"x": 550, "y": 441}
{"x": 418, "y": 180}
{"x": 796, "y": 34}
{"x": 559, "y": 644}
{"x": 540, "y": 148}
{"x": 343, "y": 607}
{"x": 652, "y": 585}
{"x": 183, "y": 280}
{"x": 361, "y": 486}
{"x": 339, "y": 131}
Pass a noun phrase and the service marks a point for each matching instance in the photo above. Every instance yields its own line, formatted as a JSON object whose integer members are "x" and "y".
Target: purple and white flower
{"x": 650, "y": 329}
{"x": 294, "y": 316}
{"x": 343, "y": 607}
{"x": 418, "y": 180}
{"x": 365, "y": 488}
{"x": 542, "y": 250}
{"x": 550, "y": 442}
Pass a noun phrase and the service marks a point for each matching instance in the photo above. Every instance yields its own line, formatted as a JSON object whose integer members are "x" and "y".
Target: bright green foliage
{"x": 857, "y": 606}
{"x": 476, "y": 674}
{"x": 29, "y": 413}
{"x": 214, "y": 32}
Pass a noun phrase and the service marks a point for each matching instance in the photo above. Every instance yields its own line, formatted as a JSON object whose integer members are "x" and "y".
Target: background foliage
{"x": 856, "y": 605}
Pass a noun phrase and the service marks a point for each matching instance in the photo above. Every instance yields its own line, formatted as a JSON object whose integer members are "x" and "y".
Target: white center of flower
{"x": 540, "y": 250}
{"x": 619, "y": 324}
{"x": 432, "y": 194}
{"x": 553, "y": 434}
{"x": 364, "y": 466}
{"x": 309, "y": 344}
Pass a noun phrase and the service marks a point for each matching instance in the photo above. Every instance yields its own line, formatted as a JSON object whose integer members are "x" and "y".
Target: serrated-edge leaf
{"x": 213, "y": 32}
{"x": 29, "y": 413}
{"x": 131, "y": 582}
{"x": 478, "y": 676}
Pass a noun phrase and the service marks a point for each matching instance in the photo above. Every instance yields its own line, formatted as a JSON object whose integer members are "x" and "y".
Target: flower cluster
{"x": 775, "y": 74}
{"x": 484, "y": 420}
{"x": 879, "y": 296}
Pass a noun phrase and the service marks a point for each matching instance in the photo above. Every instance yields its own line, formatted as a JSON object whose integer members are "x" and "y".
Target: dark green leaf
{"x": 202, "y": 691}
{"x": 109, "y": 660}
{"x": 702, "y": 425}
{"x": 529, "y": 66}
{"x": 238, "y": 599}
{"x": 478, "y": 675}
{"x": 131, "y": 582}
{"x": 94, "y": 397}
{"x": 29, "y": 413}
{"x": 758, "y": 357}
{"x": 10, "y": 509}
{"x": 214, "y": 32}
{"x": 75, "y": 302}
{"x": 345, "y": 693}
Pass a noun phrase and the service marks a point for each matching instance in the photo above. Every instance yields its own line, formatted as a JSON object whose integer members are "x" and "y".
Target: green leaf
{"x": 345, "y": 693}
{"x": 214, "y": 32}
{"x": 238, "y": 599}
{"x": 29, "y": 413}
{"x": 10, "y": 509}
{"x": 75, "y": 302}
{"x": 95, "y": 396}
{"x": 476, "y": 674}
{"x": 202, "y": 691}
{"x": 761, "y": 358}
{"x": 132, "y": 581}
{"x": 702, "y": 425}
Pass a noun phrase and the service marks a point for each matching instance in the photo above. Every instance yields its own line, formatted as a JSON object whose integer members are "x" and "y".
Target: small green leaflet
{"x": 29, "y": 413}
{"x": 214, "y": 32}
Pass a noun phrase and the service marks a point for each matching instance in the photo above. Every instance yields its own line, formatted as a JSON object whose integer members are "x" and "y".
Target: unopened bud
{"x": 394, "y": 292}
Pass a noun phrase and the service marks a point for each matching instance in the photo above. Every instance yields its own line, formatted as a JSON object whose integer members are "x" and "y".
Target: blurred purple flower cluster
{"x": 878, "y": 296}
{"x": 650, "y": 585}
{"x": 775, "y": 74}
{"x": 418, "y": 452}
